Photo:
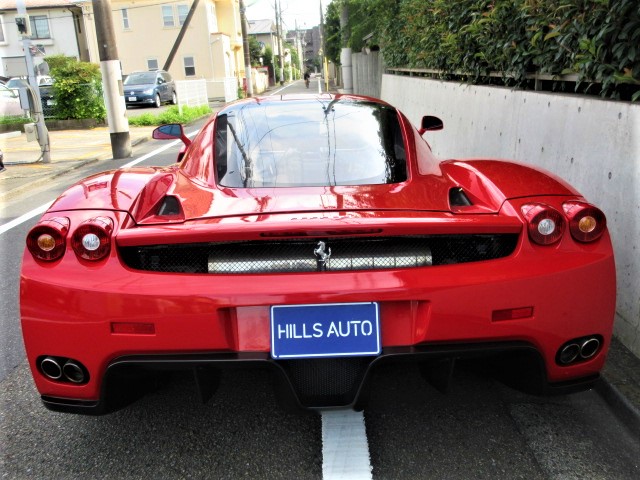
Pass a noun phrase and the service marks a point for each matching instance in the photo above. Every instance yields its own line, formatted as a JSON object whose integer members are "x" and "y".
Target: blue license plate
{"x": 325, "y": 330}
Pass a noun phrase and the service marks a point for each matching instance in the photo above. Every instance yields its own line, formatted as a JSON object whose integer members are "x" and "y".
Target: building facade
{"x": 57, "y": 28}
{"x": 145, "y": 32}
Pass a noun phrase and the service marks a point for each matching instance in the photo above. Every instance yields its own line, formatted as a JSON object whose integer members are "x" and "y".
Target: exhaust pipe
{"x": 73, "y": 372}
{"x": 569, "y": 353}
{"x": 51, "y": 368}
{"x": 589, "y": 347}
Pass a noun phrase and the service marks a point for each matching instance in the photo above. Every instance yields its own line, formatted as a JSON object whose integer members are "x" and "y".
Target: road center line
{"x": 345, "y": 450}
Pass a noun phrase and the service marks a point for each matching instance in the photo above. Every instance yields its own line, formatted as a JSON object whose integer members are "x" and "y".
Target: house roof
{"x": 11, "y": 4}
{"x": 261, "y": 26}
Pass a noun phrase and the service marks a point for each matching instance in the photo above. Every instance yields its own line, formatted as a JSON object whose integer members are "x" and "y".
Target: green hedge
{"x": 599, "y": 40}
{"x": 77, "y": 89}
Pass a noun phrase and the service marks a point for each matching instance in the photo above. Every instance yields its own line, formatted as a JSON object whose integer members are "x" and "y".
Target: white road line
{"x": 43, "y": 208}
{"x": 23, "y": 218}
{"x": 279, "y": 90}
{"x": 345, "y": 450}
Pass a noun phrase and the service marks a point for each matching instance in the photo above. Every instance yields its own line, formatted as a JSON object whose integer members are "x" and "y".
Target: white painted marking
{"x": 43, "y": 208}
{"x": 279, "y": 90}
{"x": 23, "y": 218}
{"x": 345, "y": 450}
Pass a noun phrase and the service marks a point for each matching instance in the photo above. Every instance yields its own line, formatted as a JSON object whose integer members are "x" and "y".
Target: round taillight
{"x": 47, "y": 240}
{"x": 92, "y": 238}
{"x": 586, "y": 222}
{"x": 544, "y": 223}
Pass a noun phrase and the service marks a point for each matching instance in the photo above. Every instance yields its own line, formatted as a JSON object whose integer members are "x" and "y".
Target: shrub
{"x": 598, "y": 40}
{"x": 77, "y": 88}
{"x": 171, "y": 115}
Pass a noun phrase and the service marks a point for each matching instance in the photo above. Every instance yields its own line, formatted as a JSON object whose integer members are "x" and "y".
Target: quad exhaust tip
{"x": 578, "y": 350}
{"x": 63, "y": 369}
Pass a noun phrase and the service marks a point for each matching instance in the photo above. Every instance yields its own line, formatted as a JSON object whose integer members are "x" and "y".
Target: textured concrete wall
{"x": 592, "y": 143}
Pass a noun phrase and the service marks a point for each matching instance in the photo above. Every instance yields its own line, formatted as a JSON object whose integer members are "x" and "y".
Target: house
{"x": 57, "y": 28}
{"x": 145, "y": 32}
{"x": 266, "y": 33}
{"x": 211, "y": 49}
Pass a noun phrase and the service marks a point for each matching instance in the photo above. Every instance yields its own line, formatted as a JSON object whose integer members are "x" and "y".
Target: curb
{"x": 71, "y": 164}
{"x": 45, "y": 179}
{"x": 626, "y": 412}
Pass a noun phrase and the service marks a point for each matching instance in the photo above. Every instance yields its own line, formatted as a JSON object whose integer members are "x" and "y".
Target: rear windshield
{"x": 309, "y": 143}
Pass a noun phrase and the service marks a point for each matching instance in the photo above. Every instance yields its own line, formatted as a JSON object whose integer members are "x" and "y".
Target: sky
{"x": 306, "y": 12}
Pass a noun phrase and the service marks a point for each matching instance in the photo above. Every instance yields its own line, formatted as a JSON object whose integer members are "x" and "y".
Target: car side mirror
{"x": 171, "y": 131}
{"x": 430, "y": 123}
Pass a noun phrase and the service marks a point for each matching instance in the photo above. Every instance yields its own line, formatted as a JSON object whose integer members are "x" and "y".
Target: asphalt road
{"x": 479, "y": 430}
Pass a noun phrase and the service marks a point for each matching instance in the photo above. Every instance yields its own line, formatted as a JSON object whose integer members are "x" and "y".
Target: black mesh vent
{"x": 339, "y": 254}
{"x": 326, "y": 381}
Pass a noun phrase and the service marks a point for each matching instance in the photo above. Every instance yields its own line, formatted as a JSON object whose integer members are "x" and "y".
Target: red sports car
{"x": 318, "y": 236}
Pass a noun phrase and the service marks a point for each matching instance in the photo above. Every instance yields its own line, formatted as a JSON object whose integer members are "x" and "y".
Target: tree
{"x": 332, "y": 32}
{"x": 255, "y": 51}
{"x": 77, "y": 88}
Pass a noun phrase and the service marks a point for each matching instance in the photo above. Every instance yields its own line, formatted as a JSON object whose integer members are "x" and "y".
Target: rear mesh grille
{"x": 306, "y": 255}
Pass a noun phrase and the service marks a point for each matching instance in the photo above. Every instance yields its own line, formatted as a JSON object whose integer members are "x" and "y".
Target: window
{"x": 183, "y": 11}
{"x": 2, "y": 40}
{"x": 125, "y": 19}
{"x": 343, "y": 143}
{"x": 40, "y": 26}
{"x": 152, "y": 64}
{"x": 167, "y": 16}
{"x": 189, "y": 67}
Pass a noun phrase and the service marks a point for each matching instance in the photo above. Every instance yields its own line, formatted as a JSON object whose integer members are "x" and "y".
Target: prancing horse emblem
{"x": 322, "y": 255}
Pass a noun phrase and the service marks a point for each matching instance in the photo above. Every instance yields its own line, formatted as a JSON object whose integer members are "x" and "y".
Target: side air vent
{"x": 170, "y": 206}
{"x": 457, "y": 198}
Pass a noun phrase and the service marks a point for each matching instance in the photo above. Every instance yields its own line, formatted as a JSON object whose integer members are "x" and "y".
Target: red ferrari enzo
{"x": 318, "y": 236}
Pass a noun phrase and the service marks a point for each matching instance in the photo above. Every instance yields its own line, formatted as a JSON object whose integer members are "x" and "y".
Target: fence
{"x": 191, "y": 93}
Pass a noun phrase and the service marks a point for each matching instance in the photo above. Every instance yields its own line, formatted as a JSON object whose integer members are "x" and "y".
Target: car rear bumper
{"x": 303, "y": 384}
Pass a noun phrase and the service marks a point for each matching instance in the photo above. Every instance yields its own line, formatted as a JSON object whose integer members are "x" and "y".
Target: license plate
{"x": 325, "y": 330}
{"x": 133, "y": 99}
{"x": 50, "y": 102}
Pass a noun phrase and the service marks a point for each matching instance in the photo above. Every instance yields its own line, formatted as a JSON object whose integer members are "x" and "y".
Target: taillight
{"x": 544, "y": 223}
{"x": 586, "y": 222}
{"x": 47, "y": 240}
{"x": 92, "y": 238}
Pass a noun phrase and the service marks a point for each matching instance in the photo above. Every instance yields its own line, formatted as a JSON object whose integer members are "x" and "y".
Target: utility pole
{"x": 245, "y": 46}
{"x": 41, "y": 128}
{"x": 345, "y": 53}
{"x": 112, "y": 80}
{"x": 325, "y": 67}
{"x": 281, "y": 50}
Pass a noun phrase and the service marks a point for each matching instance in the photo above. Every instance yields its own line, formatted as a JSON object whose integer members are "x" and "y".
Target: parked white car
{"x": 9, "y": 102}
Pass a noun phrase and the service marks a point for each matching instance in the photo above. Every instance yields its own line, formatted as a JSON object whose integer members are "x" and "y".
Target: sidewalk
{"x": 69, "y": 150}
{"x": 72, "y": 149}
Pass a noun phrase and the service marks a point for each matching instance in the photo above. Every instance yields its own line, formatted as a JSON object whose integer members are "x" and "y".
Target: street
{"x": 480, "y": 429}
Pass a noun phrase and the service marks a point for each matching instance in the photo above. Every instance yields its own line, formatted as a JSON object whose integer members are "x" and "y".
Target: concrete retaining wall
{"x": 592, "y": 143}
